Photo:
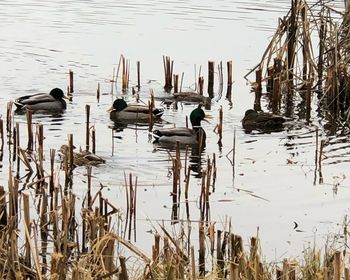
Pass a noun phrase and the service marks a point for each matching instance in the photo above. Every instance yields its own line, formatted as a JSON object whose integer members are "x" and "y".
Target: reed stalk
{"x": 211, "y": 79}
{"x": 71, "y": 81}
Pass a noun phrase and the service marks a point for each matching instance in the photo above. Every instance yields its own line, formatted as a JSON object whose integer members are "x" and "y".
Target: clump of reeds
{"x": 307, "y": 54}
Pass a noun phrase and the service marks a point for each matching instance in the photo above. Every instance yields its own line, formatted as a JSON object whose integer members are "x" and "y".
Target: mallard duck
{"x": 82, "y": 158}
{"x": 121, "y": 111}
{"x": 262, "y": 120}
{"x": 53, "y": 101}
{"x": 193, "y": 97}
{"x": 186, "y": 136}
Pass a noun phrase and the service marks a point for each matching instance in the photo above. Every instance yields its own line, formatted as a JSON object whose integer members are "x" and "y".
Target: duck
{"x": 193, "y": 97}
{"x": 262, "y": 121}
{"x": 50, "y": 102}
{"x": 82, "y": 158}
{"x": 123, "y": 112}
{"x": 185, "y": 135}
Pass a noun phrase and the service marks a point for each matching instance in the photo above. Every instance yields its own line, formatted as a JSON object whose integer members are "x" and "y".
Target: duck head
{"x": 58, "y": 94}
{"x": 118, "y": 105}
{"x": 196, "y": 116}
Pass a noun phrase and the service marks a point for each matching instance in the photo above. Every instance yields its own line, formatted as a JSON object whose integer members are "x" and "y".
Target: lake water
{"x": 273, "y": 186}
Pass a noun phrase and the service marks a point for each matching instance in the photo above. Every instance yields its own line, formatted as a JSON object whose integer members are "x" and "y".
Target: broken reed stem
{"x": 193, "y": 264}
{"x": 168, "y": 72}
{"x": 52, "y": 184}
{"x": 156, "y": 248}
{"x": 211, "y": 79}
{"x": 138, "y": 66}
{"x": 316, "y": 156}
{"x": 182, "y": 79}
{"x": 320, "y": 162}
{"x": 3, "y": 210}
{"x": 98, "y": 92}
{"x": 30, "y": 130}
{"x": 337, "y": 266}
{"x": 89, "y": 197}
{"x": 134, "y": 211}
{"x": 14, "y": 141}
{"x": 87, "y": 136}
{"x": 201, "y": 252}
{"x": 201, "y": 85}
{"x": 44, "y": 228}
{"x": 229, "y": 81}
{"x": 221, "y": 118}
{"x": 93, "y": 139}
{"x": 276, "y": 92}
{"x": 1, "y": 136}
{"x": 71, "y": 81}
{"x": 123, "y": 272}
{"x": 176, "y": 83}
{"x": 229, "y": 73}
{"x": 258, "y": 89}
{"x": 221, "y": 79}
{"x": 17, "y": 149}
{"x": 176, "y": 183}
{"x": 70, "y": 153}
{"x": 9, "y": 121}
{"x": 346, "y": 273}
{"x": 234, "y": 152}
{"x": 40, "y": 142}
{"x": 125, "y": 74}
{"x": 27, "y": 228}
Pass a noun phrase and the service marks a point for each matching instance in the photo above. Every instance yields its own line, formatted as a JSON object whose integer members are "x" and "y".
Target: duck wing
{"x": 270, "y": 119}
{"x": 142, "y": 109}
{"x": 191, "y": 97}
{"x": 137, "y": 109}
{"x": 175, "y": 131}
{"x": 34, "y": 99}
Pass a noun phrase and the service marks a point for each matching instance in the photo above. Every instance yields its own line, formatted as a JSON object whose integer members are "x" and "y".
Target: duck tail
{"x": 158, "y": 112}
{"x": 156, "y": 134}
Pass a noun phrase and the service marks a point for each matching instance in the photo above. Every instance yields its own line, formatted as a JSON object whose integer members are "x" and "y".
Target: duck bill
{"x": 67, "y": 97}
{"x": 207, "y": 118}
{"x": 110, "y": 109}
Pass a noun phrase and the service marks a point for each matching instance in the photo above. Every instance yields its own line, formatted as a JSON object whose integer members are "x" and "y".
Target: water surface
{"x": 273, "y": 184}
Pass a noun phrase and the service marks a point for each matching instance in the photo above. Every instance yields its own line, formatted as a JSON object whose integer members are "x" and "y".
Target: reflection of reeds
{"x": 131, "y": 194}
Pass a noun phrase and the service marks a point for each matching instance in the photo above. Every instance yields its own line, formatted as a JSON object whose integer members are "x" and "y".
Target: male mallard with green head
{"x": 123, "y": 112}
{"x": 262, "y": 120}
{"x": 50, "y": 102}
{"x": 186, "y": 136}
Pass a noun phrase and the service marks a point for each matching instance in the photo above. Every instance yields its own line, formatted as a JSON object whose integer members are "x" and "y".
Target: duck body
{"x": 193, "y": 97}
{"x": 83, "y": 158}
{"x": 186, "y": 136}
{"x": 262, "y": 121}
{"x": 50, "y": 102}
{"x": 122, "y": 112}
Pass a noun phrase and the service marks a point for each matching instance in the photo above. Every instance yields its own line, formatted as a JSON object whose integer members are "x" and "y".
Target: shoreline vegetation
{"x": 45, "y": 234}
